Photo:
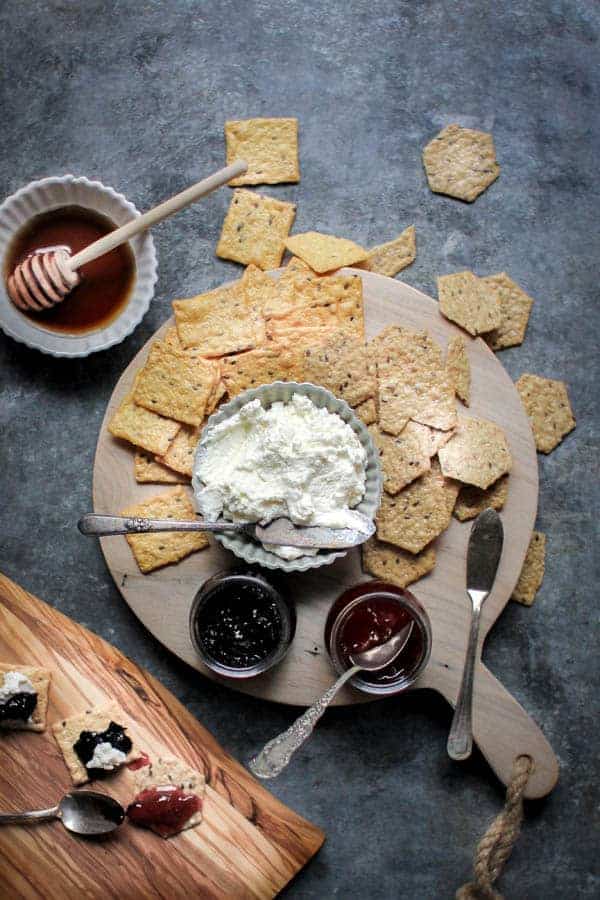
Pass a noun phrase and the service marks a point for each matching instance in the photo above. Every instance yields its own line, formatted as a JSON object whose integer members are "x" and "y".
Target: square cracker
{"x": 460, "y": 162}
{"x": 66, "y": 733}
{"x": 255, "y": 229}
{"x": 182, "y": 450}
{"x": 419, "y": 513}
{"x": 141, "y": 427}
{"x": 515, "y": 307}
{"x": 340, "y": 364}
{"x": 473, "y": 500}
{"x": 279, "y": 362}
{"x": 459, "y": 369}
{"x": 404, "y": 457}
{"x": 324, "y": 252}
{"x": 532, "y": 573}
{"x": 172, "y": 771}
{"x": 175, "y": 385}
{"x": 148, "y": 470}
{"x": 269, "y": 146}
{"x": 395, "y": 565}
{"x": 547, "y": 404}
{"x": 413, "y": 381}
{"x": 464, "y": 300}
{"x": 393, "y": 256}
{"x": 367, "y": 411}
{"x": 152, "y": 551}
{"x": 303, "y": 297}
{"x": 40, "y": 679}
{"x": 219, "y": 322}
{"x": 476, "y": 454}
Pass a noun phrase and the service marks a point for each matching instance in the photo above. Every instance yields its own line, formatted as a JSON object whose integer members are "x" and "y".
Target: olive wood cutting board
{"x": 162, "y": 599}
{"x": 249, "y": 845}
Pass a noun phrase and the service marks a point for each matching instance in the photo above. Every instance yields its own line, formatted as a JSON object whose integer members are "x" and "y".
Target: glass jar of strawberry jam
{"x": 368, "y": 614}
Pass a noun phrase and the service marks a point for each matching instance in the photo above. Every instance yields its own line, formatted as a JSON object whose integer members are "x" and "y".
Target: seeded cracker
{"x": 148, "y": 470}
{"x": 269, "y": 146}
{"x": 169, "y": 770}
{"x": 367, "y": 411}
{"x": 340, "y": 365}
{"x": 259, "y": 289}
{"x": 181, "y": 452}
{"x": 419, "y": 513}
{"x": 394, "y": 565}
{"x": 403, "y": 457}
{"x": 413, "y": 381}
{"x": 390, "y": 258}
{"x": 40, "y": 679}
{"x": 459, "y": 370}
{"x": 464, "y": 301}
{"x": 460, "y": 162}
{"x": 98, "y": 718}
{"x": 473, "y": 500}
{"x": 255, "y": 229}
{"x": 477, "y": 453}
{"x": 143, "y": 428}
{"x": 515, "y": 307}
{"x": 219, "y": 322}
{"x": 547, "y": 404}
{"x": 324, "y": 252}
{"x": 152, "y": 551}
{"x": 174, "y": 385}
{"x": 532, "y": 573}
{"x": 256, "y": 367}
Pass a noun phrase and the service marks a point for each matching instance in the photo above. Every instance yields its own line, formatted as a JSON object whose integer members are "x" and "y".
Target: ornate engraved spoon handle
{"x": 107, "y": 525}
{"x": 275, "y": 756}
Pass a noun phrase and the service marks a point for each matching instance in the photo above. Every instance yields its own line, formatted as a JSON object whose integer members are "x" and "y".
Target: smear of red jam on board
{"x": 139, "y": 763}
{"x": 163, "y": 809}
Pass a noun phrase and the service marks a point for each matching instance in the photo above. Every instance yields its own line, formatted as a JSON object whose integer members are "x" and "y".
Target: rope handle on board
{"x": 497, "y": 843}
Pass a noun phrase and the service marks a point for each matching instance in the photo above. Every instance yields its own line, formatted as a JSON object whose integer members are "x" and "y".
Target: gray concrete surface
{"x": 136, "y": 94}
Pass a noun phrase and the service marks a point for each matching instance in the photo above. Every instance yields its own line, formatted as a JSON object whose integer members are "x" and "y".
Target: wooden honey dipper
{"x": 49, "y": 274}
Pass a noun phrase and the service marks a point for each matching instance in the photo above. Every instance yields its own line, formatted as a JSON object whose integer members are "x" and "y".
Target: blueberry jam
{"x": 19, "y": 707}
{"x": 239, "y": 624}
{"x": 87, "y": 742}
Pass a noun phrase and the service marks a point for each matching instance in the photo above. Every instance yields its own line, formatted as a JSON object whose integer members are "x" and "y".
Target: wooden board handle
{"x": 153, "y": 216}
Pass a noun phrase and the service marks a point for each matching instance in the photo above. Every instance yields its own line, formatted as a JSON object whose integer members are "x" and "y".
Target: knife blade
{"x": 484, "y": 551}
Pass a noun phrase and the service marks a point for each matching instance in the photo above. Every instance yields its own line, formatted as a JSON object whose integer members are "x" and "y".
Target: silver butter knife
{"x": 282, "y": 532}
{"x": 483, "y": 558}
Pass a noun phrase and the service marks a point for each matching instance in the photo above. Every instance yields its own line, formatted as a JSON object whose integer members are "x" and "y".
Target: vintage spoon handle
{"x": 460, "y": 739}
{"x": 275, "y": 756}
{"x": 24, "y": 818}
{"x": 102, "y": 526}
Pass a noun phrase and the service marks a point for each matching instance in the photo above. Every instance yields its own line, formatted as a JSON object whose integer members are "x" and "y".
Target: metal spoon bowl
{"x": 86, "y": 813}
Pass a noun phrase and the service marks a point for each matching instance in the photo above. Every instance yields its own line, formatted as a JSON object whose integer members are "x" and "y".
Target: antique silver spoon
{"x": 83, "y": 812}
{"x": 275, "y": 756}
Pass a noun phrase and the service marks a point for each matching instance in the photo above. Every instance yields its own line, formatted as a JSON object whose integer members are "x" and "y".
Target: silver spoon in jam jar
{"x": 275, "y": 756}
{"x": 86, "y": 813}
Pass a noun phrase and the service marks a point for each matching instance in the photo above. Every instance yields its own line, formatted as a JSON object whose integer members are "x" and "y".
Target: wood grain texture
{"x": 162, "y": 600}
{"x": 249, "y": 845}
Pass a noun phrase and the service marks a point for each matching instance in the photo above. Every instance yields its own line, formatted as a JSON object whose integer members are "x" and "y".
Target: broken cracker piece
{"x": 395, "y": 565}
{"x": 175, "y": 385}
{"x": 476, "y": 454}
{"x": 459, "y": 370}
{"x": 460, "y": 162}
{"x": 463, "y": 300}
{"x": 547, "y": 404}
{"x": 141, "y": 427}
{"x": 255, "y": 229}
{"x": 172, "y": 772}
{"x": 219, "y": 322}
{"x": 393, "y": 256}
{"x": 39, "y": 679}
{"x": 182, "y": 450}
{"x": 324, "y": 252}
{"x": 532, "y": 573}
{"x": 148, "y": 470}
{"x": 515, "y": 307}
{"x": 269, "y": 146}
{"x": 152, "y": 551}
{"x": 367, "y": 411}
{"x": 473, "y": 500}
{"x": 98, "y": 718}
{"x": 404, "y": 457}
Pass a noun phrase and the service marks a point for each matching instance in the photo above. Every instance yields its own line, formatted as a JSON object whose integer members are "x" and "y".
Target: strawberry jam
{"x": 163, "y": 809}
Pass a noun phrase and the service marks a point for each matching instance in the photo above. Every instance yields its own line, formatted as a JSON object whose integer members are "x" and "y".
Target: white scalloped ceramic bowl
{"x": 253, "y": 552}
{"x": 69, "y": 190}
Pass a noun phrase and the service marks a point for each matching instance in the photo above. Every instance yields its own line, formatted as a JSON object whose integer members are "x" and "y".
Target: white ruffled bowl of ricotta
{"x": 286, "y": 449}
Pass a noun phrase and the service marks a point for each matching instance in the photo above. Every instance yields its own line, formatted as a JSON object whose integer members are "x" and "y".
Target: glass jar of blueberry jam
{"x": 369, "y": 614}
{"x": 241, "y": 624}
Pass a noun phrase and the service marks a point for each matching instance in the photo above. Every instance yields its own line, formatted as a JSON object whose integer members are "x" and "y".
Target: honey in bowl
{"x": 106, "y": 283}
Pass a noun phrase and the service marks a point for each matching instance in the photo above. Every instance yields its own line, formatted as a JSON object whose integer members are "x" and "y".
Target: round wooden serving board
{"x": 162, "y": 599}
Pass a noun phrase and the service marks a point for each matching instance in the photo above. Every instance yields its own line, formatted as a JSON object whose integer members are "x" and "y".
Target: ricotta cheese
{"x": 293, "y": 460}
{"x": 15, "y": 683}
{"x": 106, "y": 757}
